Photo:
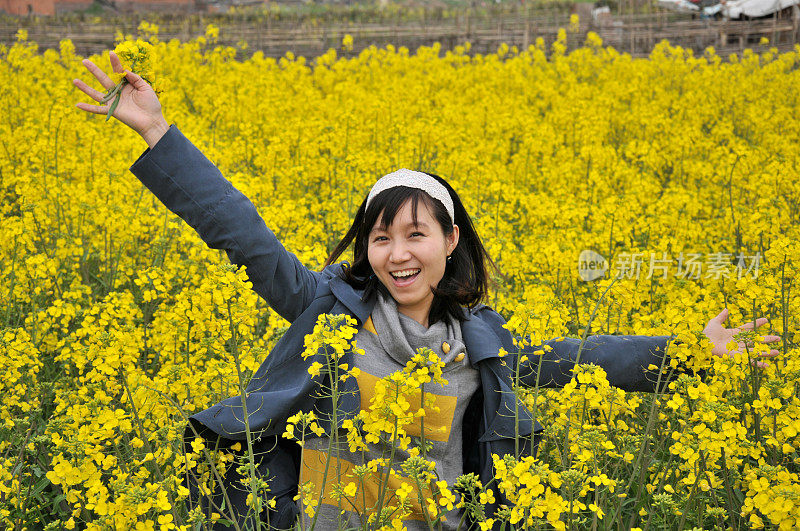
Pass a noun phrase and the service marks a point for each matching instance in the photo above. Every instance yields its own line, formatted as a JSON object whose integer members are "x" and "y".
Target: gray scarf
{"x": 400, "y": 335}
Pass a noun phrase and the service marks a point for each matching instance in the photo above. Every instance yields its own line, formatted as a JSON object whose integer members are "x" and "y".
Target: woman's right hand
{"x": 138, "y": 106}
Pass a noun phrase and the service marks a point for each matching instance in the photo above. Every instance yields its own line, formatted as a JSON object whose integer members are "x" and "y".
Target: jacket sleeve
{"x": 189, "y": 185}
{"x": 624, "y": 358}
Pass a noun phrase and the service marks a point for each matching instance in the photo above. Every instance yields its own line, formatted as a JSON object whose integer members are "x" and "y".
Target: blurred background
{"x": 309, "y": 28}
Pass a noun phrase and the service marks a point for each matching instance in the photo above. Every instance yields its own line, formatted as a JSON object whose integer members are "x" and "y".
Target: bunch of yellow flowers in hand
{"x": 137, "y": 56}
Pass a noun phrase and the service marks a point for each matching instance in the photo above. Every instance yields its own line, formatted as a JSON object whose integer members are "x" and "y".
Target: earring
{"x": 450, "y": 259}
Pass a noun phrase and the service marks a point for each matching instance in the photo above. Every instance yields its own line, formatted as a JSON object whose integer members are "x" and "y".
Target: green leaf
{"x": 113, "y": 106}
{"x": 112, "y": 91}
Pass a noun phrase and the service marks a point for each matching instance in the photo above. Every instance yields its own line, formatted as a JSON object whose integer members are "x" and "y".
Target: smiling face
{"x": 409, "y": 259}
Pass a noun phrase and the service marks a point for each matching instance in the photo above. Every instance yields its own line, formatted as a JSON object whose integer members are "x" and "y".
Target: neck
{"x": 420, "y": 315}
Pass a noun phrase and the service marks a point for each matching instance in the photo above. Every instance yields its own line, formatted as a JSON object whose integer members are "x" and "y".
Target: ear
{"x": 452, "y": 240}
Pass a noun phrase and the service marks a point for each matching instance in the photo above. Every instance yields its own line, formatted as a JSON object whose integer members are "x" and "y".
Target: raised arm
{"x": 193, "y": 188}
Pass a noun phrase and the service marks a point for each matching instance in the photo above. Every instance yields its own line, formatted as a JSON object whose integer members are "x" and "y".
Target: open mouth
{"x": 404, "y": 277}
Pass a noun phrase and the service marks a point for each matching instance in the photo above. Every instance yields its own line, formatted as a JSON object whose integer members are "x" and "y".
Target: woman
{"x": 417, "y": 279}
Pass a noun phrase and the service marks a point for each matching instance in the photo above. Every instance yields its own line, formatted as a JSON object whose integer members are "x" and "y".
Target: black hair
{"x": 466, "y": 279}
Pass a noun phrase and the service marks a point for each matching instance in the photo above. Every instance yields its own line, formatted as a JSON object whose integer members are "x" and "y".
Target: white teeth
{"x": 405, "y": 273}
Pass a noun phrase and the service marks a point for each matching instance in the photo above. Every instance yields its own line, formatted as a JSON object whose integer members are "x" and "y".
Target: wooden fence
{"x": 634, "y": 34}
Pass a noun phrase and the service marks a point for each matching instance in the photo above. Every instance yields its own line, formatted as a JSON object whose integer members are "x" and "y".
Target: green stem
{"x": 422, "y": 440}
{"x": 248, "y": 434}
{"x": 385, "y": 483}
{"x": 516, "y": 399}
{"x": 692, "y": 492}
{"x": 113, "y": 92}
{"x": 422, "y": 504}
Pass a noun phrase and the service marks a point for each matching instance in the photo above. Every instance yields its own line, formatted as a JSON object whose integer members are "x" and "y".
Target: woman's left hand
{"x": 721, "y": 336}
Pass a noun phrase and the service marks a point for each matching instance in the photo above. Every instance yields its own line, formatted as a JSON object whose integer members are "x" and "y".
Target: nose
{"x": 399, "y": 252}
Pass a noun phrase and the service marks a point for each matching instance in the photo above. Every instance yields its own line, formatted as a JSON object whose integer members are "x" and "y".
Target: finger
{"x": 99, "y": 74}
{"x": 136, "y": 80}
{"x": 116, "y": 64}
{"x": 721, "y": 316}
{"x": 759, "y": 322}
{"x": 771, "y": 339}
{"x": 771, "y": 354}
{"x": 96, "y": 109}
{"x": 96, "y": 95}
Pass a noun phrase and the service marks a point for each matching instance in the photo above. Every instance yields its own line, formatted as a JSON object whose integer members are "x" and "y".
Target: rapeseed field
{"x": 682, "y": 172}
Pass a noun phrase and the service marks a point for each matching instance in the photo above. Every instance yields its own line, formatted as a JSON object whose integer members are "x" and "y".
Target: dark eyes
{"x": 381, "y": 238}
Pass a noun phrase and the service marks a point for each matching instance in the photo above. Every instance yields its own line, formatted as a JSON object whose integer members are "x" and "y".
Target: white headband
{"x": 413, "y": 179}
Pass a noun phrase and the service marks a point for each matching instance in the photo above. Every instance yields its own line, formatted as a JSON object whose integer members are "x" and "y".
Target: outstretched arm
{"x": 626, "y": 358}
{"x": 192, "y": 187}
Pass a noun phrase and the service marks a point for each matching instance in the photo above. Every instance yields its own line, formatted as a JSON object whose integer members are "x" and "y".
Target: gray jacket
{"x": 193, "y": 188}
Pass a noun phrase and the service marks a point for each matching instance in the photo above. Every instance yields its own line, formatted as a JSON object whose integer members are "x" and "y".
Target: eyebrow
{"x": 420, "y": 225}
